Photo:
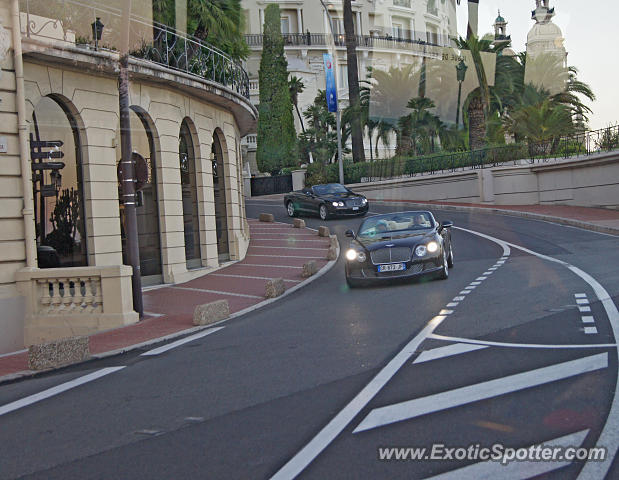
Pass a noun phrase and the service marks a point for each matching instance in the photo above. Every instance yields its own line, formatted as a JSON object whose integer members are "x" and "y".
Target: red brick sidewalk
{"x": 276, "y": 250}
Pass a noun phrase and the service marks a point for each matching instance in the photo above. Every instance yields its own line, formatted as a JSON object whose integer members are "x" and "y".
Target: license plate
{"x": 355, "y": 208}
{"x": 395, "y": 267}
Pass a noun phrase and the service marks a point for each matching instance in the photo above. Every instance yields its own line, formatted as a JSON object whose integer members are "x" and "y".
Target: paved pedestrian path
{"x": 276, "y": 250}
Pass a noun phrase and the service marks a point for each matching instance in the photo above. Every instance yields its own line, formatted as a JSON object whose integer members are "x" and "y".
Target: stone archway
{"x": 191, "y": 217}
{"x": 219, "y": 194}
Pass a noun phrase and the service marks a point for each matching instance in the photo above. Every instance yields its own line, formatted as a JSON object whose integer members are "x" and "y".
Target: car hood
{"x": 336, "y": 197}
{"x": 396, "y": 239}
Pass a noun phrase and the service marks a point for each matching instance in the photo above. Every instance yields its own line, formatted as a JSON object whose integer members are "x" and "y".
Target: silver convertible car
{"x": 399, "y": 245}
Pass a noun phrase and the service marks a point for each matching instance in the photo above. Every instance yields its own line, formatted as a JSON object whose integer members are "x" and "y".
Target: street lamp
{"x": 460, "y": 75}
{"x": 97, "y": 31}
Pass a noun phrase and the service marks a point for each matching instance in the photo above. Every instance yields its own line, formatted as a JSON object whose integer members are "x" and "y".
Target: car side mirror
{"x": 447, "y": 224}
{"x": 350, "y": 233}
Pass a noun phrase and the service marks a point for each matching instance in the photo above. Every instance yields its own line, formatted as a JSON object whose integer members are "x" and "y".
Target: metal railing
{"x": 579, "y": 144}
{"x": 370, "y": 41}
{"x": 70, "y": 21}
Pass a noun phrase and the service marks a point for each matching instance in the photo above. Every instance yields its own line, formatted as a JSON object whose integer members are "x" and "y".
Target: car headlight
{"x": 338, "y": 204}
{"x": 351, "y": 254}
{"x": 421, "y": 251}
{"x": 364, "y": 201}
{"x": 432, "y": 247}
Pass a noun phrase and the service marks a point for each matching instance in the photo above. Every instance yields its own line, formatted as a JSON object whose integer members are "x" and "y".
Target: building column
{"x": 358, "y": 23}
{"x": 299, "y": 21}
{"x": 261, "y": 17}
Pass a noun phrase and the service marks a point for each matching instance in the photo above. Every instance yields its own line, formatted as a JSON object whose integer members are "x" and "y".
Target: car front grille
{"x": 353, "y": 202}
{"x": 390, "y": 255}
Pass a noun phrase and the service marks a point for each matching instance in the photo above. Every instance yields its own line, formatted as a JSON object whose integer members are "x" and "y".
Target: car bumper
{"x": 367, "y": 273}
{"x": 347, "y": 211}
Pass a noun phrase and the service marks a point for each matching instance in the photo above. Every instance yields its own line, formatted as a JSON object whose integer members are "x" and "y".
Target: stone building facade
{"x": 62, "y": 239}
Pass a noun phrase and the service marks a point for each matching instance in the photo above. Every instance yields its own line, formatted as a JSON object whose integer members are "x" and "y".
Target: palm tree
{"x": 422, "y": 125}
{"x": 358, "y": 153}
{"x": 296, "y": 86}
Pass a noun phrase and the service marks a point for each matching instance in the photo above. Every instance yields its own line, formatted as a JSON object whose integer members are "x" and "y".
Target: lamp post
{"x": 460, "y": 75}
{"x": 97, "y": 31}
{"x": 338, "y": 120}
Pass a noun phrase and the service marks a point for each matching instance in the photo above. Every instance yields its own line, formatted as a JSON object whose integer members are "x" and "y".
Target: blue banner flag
{"x": 331, "y": 89}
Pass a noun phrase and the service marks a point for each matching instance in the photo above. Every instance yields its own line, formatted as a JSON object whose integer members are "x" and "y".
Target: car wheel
{"x": 450, "y": 258}
{"x": 444, "y": 273}
{"x": 290, "y": 209}
{"x": 323, "y": 212}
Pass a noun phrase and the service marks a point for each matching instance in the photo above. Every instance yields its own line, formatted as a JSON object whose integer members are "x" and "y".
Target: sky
{"x": 587, "y": 28}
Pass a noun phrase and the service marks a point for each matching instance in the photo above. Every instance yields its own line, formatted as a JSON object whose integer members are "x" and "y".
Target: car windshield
{"x": 329, "y": 189}
{"x": 396, "y": 222}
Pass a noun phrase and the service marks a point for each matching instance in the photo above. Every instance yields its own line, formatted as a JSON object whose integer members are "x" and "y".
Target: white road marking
{"x": 480, "y": 279}
{"x": 153, "y": 314}
{"x": 458, "y": 299}
{"x": 591, "y": 330}
{"x": 471, "y": 287}
{"x": 448, "y": 351}
{"x": 178, "y": 343}
{"x": 584, "y": 309}
{"x": 582, "y": 301}
{"x": 464, "y": 292}
{"x": 516, "y": 470}
{"x": 474, "y": 393}
{"x": 218, "y": 292}
{"x": 492, "y": 269}
{"x": 452, "y": 304}
{"x": 580, "y": 295}
{"x": 309, "y": 452}
{"x": 520, "y": 345}
{"x": 609, "y": 437}
{"x": 475, "y": 283}
{"x": 588, "y": 319}
{"x": 251, "y": 276}
{"x": 487, "y": 273}
{"x": 445, "y": 312}
{"x": 16, "y": 352}
{"x": 50, "y": 392}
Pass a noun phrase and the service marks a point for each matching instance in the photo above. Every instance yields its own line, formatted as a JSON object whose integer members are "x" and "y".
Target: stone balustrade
{"x": 65, "y": 302}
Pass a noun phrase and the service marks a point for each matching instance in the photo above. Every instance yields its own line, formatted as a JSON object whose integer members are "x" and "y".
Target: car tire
{"x": 290, "y": 209}
{"x": 444, "y": 273}
{"x": 323, "y": 213}
{"x": 450, "y": 258}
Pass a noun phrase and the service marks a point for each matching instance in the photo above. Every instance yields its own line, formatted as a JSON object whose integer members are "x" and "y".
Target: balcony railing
{"x": 370, "y": 41}
{"x": 70, "y": 21}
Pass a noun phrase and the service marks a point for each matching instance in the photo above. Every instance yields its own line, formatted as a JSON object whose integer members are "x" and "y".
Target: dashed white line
{"x": 580, "y": 295}
{"x": 452, "y": 304}
{"x": 50, "y": 392}
{"x": 582, "y": 301}
{"x": 584, "y": 309}
{"x": 480, "y": 279}
{"x": 475, "y": 283}
{"x": 591, "y": 330}
{"x": 520, "y": 345}
{"x": 464, "y": 292}
{"x": 445, "y": 312}
{"x": 588, "y": 319}
{"x": 458, "y": 299}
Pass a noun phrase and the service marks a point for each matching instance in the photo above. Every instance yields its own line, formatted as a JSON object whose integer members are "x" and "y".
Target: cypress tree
{"x": 277, "y": 140}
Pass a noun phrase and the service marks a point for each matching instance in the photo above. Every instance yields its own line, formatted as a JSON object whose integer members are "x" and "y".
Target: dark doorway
{"x": 219, "y": 192}
{"x": 147, "y": 207}
{"x": 191, "y": 223}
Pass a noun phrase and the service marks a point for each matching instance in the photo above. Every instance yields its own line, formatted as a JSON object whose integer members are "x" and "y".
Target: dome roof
{"x": 544, "y": 32}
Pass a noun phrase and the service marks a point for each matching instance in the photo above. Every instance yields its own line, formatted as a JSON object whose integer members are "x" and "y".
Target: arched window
{"x": 55, "y": 151}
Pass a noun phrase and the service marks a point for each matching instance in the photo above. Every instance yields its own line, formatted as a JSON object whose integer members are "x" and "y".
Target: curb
{"x": 181, "y": 333}
{"x": 513, "y": 213}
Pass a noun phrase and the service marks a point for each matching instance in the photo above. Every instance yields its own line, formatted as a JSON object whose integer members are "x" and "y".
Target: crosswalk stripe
{"x": 480, "y": 391}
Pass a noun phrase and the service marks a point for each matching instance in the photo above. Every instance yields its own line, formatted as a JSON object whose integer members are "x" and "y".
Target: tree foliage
{"x": 277, "y": 142}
